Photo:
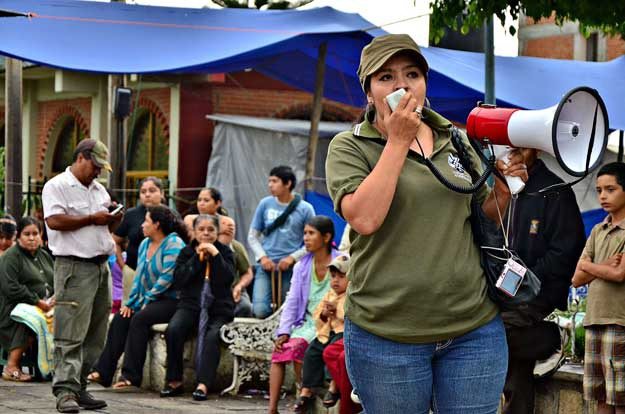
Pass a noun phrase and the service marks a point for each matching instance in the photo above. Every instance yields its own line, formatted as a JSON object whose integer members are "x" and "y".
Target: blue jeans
{"x": 463, "y": 375}
{"x": 261, "y": 296}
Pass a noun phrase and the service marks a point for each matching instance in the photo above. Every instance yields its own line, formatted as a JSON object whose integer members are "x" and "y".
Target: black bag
{"x": 490, "y": 241}
{"x": 285, "y": 214}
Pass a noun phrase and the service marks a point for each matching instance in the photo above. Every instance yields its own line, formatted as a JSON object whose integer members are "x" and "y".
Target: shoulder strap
{"x": 285, "y": 215}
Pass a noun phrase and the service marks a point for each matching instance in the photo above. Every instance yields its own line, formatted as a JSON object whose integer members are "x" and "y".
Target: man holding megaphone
{"x": 548, "y": 235}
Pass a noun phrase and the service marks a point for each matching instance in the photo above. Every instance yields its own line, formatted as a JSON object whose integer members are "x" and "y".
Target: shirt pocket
{"x": 79, "y": 207}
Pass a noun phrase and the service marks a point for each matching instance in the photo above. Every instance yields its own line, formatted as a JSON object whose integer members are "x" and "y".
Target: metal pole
{"x": 489, "y": 62}
{"x": 315, "y": 117}
{"x": 619, "y": 157}
{"x": 115, "y": 143}
{"x": 13, "y": 137}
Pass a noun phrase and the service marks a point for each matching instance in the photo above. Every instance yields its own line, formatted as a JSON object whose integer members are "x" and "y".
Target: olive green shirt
{"x": 24, "y": 278}
{"x": 606, "y": 300}
{"x": 418, "y": 278}
{"x": 241, "y": 260}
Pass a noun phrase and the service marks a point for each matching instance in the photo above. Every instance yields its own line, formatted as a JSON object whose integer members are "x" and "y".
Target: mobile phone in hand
{"x": 117, "y": 209}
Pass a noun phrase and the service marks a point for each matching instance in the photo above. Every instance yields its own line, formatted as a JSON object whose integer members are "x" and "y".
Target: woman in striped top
{"x": 151, "y": 300}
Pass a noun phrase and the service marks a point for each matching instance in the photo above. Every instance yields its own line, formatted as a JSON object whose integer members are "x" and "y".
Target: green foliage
{"x": 608, "y": 17}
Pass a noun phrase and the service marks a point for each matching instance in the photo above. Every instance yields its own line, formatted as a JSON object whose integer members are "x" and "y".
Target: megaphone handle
{"x": 515, "y": 184}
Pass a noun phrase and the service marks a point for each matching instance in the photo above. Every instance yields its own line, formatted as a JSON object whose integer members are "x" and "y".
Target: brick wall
{"x": 562, "y": 46}
{"x": 545, "y": 20}
{"x": 554, "y": 47}
{"x": 49, "y": 112}
{"x": 242, "y": 93}
{"x": 615, "y": 47}
{"x": 157, "y": 100}
{"x": 252, "y": 94}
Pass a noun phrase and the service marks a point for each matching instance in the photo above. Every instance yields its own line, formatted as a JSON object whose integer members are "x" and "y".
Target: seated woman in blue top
{"x": 151, "y": 301}
{"x": 189, "y": 279}
{"x": 310, "y": 283}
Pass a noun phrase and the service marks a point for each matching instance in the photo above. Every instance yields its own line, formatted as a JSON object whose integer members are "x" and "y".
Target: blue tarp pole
{"x": 489, "y": 62}
{"x": 315, "y": 117}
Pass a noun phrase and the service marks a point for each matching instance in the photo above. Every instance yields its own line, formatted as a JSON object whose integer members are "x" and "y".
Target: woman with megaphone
{"x": 417, "y": 311}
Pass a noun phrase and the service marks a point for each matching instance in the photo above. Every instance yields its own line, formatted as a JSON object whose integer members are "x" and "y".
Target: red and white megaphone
{"x": 575, "y": 131}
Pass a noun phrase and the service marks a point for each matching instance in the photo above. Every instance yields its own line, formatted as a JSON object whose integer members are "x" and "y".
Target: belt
{"x": 95, "y": 260}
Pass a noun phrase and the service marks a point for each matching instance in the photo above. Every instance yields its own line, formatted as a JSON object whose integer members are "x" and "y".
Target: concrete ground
{"x": 37, "y": 398}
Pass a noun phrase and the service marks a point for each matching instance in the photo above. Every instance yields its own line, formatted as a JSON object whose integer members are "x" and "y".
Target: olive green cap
{"x": 98, "y": 151}
{"x": 381, "y": 48}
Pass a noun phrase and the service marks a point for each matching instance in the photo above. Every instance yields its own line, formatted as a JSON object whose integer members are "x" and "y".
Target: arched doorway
{"x": 148, "y": 149}
{"x": 67, "y": 132}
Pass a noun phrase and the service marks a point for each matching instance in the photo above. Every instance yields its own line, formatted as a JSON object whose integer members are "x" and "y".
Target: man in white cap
{"x": 76, "y": 212}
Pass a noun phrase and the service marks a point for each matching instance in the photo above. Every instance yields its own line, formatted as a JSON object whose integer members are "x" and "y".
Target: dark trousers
{"x": 530, "y": 339}
{"x": 209, "y": 360}
{"x": 519, "y": 387}
{"x": 314, "y": 369}
{"x": 130, "y": 336}
{"x": 181, "y": 327}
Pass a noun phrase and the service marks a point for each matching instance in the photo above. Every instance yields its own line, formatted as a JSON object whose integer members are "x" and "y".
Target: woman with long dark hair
{"x": 310, "y": 282}
{"x": 129, "y": 235}
{"x": 209, "y": 201}
{"x": 152, "y": 299}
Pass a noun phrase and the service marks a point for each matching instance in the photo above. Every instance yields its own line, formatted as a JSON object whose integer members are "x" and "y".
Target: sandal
{"x": 15, "y": 375}
{"x": 123, "y": 385}
{"x": 330, "y": 399}
{"x": 94, "y": 377}
{"x": 199, "y": 395}
{"x": 303, "y": 404}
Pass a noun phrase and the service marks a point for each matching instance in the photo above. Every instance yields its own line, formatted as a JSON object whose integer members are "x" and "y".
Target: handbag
{"x": 491, "y": 243}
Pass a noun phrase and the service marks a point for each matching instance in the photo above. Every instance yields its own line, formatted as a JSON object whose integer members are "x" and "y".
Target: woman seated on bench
{"x": 205, "y": 257}
{"x": 151, "y": 301}
{"x": 26, "y": 276}
{"x": 310, "y": 282}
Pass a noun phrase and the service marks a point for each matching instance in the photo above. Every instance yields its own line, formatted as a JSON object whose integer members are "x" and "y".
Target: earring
{"x": 370, "y": 111}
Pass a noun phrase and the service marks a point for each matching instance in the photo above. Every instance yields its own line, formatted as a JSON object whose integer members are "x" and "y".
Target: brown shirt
{"x": 606, "y": 300}
{"x": 334, "y": 324}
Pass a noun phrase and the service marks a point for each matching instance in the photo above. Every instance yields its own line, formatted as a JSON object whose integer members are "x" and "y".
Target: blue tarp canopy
{"x": 120, "y": 38}
{"x": 457, "y": 82}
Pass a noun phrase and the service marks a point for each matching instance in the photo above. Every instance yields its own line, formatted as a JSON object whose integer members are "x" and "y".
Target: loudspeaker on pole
{"x": 122, "y": 102}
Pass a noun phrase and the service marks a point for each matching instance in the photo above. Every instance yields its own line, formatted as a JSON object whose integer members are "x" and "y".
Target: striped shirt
{"x": 155, "y": 276}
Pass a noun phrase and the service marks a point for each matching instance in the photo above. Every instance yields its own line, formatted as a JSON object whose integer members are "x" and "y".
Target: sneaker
{"x": 86, "y": 401}
{"x": 67, "y": 403}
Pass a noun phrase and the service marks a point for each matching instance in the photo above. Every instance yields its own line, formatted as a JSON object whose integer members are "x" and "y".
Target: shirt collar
{"x": 75, "y": 182}
{"x": 607, "y": 222}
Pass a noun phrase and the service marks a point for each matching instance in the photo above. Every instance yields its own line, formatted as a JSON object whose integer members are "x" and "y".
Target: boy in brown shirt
{"x": 602, "y": 268}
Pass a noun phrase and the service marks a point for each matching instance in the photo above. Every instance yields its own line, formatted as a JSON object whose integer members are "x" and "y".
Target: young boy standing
{"x": 602, "y": 268}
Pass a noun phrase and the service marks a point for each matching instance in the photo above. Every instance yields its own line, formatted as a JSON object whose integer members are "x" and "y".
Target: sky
{"x": 392, "y": 15}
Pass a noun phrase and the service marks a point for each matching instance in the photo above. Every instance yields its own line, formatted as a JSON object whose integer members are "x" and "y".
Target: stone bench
{"x": 563, "y": 393}
{"x": 155, "y": 367}
{"x": 245, "y": 355}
